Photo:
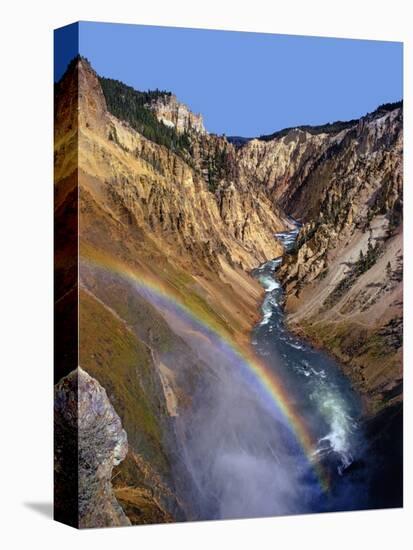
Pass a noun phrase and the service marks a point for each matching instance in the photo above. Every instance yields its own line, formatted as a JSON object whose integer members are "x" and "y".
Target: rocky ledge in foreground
{"x": 84, "y": 413}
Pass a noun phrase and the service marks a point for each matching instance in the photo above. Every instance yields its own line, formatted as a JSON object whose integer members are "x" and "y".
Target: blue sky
{"x": 244, "y": 84}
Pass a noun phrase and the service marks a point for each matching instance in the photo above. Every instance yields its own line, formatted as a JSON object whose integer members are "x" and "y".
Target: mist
{"x": 240, "y": 454}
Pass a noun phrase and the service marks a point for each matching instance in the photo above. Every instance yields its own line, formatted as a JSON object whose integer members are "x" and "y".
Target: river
{"x": 241, "y": 456}
{"x": 321, "y": 393}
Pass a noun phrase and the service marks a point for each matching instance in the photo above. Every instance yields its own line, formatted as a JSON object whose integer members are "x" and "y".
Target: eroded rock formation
{"x": 343, "y": 281}
{"x": 173, "y": 113}
{"x": 89, "y": 432}
{"x": 194, "y": 219}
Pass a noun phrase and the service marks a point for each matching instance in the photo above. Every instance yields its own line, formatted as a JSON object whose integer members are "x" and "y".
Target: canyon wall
{"x": 164, "y": 205}
{"x": 343, "y": 281}
{"x": 185, "y": 223}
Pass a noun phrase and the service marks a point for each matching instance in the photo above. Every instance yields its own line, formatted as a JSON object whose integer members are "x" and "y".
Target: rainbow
{"x": 164, "y": 297}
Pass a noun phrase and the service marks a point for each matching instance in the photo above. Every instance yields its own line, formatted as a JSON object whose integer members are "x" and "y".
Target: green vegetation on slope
{"x": 363, "y": 264}
{"x": 131, "y": 106}
{"x": 123, "y": 365}
{"x": 330, "y": 127}
{"x": 220, "y": 165}
{"x": 371, "y": 356}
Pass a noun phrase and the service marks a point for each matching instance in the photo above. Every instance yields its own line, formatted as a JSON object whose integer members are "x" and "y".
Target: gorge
{"x": 239, "y": 307}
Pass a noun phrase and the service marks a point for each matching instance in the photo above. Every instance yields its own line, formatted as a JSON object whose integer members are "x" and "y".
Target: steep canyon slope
{"x": 170, "y": 219}
{"x": 343, "y": 281}
{"x": 167, "y": 209}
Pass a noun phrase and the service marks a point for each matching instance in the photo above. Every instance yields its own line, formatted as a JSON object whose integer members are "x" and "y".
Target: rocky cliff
{"x": 174, "y": 212}
{"x": 150, "y": 191}
{"x": 344, "y": 279}
{"x": 88, "y": 430}
{"x": 163, "y": 201}
{"x": 175, "y": 114}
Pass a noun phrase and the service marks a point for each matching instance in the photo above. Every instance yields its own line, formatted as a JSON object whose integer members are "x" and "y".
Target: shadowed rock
{"x": 82, "y": 408}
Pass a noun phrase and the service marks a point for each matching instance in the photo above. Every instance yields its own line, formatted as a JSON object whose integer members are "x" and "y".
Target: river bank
{"x": 364, "y": 449}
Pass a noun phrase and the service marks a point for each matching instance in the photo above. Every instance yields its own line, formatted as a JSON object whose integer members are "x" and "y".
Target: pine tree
{"x": 369, "y": 255}
{"x": 361, "y": 262}
{"x": 388, "y": 270}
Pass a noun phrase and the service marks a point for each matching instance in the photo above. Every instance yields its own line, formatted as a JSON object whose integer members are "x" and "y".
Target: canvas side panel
{"x": 66, "y": 45}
